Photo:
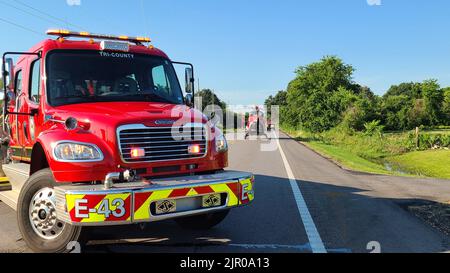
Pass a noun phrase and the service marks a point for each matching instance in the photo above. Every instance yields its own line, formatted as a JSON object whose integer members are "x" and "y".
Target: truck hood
{"x": 110, "y": 115}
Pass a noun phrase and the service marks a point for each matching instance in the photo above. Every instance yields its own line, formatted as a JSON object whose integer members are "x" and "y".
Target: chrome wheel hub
{"x": 43, "y": 214}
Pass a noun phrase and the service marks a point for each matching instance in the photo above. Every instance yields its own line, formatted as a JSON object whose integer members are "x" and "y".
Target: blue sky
{"x": 246, "y": 50}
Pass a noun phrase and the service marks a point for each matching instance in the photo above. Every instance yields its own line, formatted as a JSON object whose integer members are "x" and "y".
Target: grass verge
{"x": 348, "y": 159}
{"x": 385, "y": 154}
{"x": 432, "y": 163}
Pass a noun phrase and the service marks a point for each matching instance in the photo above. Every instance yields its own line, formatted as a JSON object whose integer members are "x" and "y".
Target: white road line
{"x": 315, "y": 241}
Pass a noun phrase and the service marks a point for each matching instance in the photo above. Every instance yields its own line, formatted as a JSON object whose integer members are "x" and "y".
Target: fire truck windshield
{"x": 93, "y": 76}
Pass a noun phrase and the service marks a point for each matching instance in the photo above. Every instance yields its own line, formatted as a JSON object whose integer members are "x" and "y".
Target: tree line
{"x": 209, "y": 98}
{"x": 323, "y": 95}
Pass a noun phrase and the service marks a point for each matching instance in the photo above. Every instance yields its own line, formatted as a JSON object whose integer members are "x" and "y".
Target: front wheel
{"x": 202, "y": 221}
{"x": 36, "y": 216}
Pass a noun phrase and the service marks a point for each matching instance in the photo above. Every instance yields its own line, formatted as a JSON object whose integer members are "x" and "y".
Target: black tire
{"x": 39, "y": 180}
{"x": 202, "y": 221}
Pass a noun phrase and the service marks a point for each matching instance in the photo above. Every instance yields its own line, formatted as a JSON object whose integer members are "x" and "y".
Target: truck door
{"x": 21, "y": 120}
{"x": 14, "y": 119}
{"x": 29, "y": 101}
{"x": 33, "y": 100}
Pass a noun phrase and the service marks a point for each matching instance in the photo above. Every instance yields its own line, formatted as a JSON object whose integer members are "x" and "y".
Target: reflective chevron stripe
{"x": 134, "y": 205}
{"x": 144, "y": 199}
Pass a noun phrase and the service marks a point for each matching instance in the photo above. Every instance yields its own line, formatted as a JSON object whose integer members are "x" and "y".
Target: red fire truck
{"x": 257, "y": 123}
{"x": 100, "y": 133}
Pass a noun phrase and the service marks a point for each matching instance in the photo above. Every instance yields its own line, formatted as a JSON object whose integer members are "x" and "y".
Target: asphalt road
{"x": 344, "y": 212}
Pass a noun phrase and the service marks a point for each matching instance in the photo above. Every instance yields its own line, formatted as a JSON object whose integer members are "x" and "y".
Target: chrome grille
{"x": 161, "y": 143}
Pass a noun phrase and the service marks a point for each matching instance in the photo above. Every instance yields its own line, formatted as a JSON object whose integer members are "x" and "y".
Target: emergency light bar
{"x": 84, "y": 34}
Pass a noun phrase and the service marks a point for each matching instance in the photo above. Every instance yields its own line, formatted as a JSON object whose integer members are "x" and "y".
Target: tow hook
{"x": 121, "y": 176}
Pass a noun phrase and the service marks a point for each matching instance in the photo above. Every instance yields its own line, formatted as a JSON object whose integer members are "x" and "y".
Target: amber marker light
{"x": 194, "y": 149}
{"x": 137, "y": 152}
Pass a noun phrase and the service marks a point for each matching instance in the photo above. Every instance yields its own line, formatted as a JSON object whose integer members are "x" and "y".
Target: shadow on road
{"x": 347, "y": 219}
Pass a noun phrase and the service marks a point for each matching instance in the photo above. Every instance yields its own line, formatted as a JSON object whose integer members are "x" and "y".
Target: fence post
{"x": 417, "y": 137}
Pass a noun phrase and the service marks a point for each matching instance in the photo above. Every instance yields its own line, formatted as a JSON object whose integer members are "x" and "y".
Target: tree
{"x": 279, "y": 99}
{"x": 433, "y": 98}
{"x": 408, "y": 105}
{"x": 360, "y": 111}
{"x": 365, "y": 92}
{"x": 311, "y": 104}
{"x": 210, "y": 98}
{"x": 446, "y": 106}
{"x": 394, "y": 111}
{"x": 412, "y": 90}
{"x": 323, "y": 95}
{"x": 417, "y": 115}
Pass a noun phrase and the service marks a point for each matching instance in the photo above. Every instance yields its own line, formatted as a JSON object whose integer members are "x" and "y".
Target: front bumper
{"x": 155, "y": 200}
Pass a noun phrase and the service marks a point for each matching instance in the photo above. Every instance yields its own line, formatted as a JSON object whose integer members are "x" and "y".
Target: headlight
{"x": 72, "y": 151}
{"x": 221, "y": 143}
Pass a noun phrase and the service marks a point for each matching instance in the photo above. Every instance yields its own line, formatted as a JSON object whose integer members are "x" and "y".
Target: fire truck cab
{"x": 99, "y": 133}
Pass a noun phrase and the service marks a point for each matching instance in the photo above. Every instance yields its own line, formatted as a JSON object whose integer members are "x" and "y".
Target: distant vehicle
{"x": 257, "y": 123}
{"x": 93, "y": 141}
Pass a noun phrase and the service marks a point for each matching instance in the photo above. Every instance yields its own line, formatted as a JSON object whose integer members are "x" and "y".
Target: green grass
{"x": 432, "y": 163}
{"x": 434, "y": 132}
{"x": 390, "y": 153}
{"x": 347, "y": 159}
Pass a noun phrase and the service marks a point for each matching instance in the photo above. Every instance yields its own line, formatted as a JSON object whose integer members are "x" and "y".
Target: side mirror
{"x": 189, "y": 100}
{"x": 9, "y": 73}
{"x": 189, "y": 79}
{"x": 11, "y": 98}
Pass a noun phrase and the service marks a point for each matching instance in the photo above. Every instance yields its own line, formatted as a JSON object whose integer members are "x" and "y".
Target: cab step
{"x": 16, "y": 174}
{"x": 10, "y": 198}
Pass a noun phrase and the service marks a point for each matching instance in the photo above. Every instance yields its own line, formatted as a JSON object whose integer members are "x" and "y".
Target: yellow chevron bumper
{"x": 155, "y": 200}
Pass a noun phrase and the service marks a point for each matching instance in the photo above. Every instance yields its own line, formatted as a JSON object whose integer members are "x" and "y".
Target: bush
{"x": 373, "y": 128}
{"x": 430, "y": 141}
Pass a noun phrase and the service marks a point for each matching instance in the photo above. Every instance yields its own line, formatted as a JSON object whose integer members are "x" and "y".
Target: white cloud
{"x": 73, "y": 2}
{"x": 374, "y": 2}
